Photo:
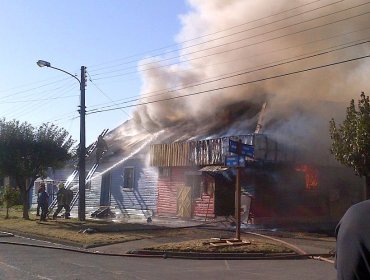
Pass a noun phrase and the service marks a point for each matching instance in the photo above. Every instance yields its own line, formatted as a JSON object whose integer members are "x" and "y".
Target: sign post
{"x": 241, "y": 150}
{"x": 237, "y": 204}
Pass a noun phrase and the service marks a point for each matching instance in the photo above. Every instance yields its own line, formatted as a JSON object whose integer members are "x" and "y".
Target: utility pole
{"x": 237, "y": 203}
{"x": 82, "y": 149}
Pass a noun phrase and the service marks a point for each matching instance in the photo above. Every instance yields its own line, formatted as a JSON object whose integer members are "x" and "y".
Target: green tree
{"x": 9, "y": 198}
{"x": 26, "y": 153}
{"x": 351, "y": 139}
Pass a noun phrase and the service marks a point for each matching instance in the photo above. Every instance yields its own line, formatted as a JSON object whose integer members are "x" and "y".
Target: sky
{"x": 70, "y": 34}
{"x": 212, "y": 65}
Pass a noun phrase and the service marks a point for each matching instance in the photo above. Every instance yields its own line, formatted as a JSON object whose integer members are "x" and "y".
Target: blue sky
{"x": 69, "y": 34}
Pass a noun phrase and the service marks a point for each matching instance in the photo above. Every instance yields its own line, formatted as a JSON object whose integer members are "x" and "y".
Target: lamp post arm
{"x": 66, "y": 73}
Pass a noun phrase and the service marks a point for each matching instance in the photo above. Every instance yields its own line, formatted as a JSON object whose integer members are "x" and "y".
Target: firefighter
{"x": 43, "y": 202}
{"x": 42, "y": 185}
{"x": 101, "y": 148}
{"x": 63, "y": 200}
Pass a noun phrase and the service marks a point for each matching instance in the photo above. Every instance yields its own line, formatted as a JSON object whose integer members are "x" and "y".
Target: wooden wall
{"x": 144, "y": 194}
{"x": 167, "y": 191}
{"x": 168, "y": 188}
{"x": 204, "y": 206}
{"x": 213, "y": 151}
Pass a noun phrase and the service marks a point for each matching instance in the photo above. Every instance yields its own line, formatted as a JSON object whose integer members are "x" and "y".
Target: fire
{"x": 311, "y": 176}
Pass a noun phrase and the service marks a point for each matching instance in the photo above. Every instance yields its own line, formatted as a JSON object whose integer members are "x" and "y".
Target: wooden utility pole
{"x": 237, "y": 204}
{"x": 81, "y": 162}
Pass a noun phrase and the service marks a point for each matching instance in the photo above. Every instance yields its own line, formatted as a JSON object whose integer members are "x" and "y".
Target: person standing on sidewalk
{"x": 43, "y": 201}
{"x": 352, "y": 257}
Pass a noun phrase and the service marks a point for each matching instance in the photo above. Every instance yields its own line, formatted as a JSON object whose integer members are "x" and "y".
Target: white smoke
{"x": 299, "y": 106}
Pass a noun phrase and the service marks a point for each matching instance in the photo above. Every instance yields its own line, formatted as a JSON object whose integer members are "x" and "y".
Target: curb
{"x": 6, "y": 234}
{"x": 181, "y": 255}
{"x": 217, "y": 256}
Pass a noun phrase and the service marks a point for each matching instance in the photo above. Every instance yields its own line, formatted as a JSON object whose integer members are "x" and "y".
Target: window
{"x": 128, "y": 178}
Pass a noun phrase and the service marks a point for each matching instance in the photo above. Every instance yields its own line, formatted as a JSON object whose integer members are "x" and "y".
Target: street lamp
{"x": 82, "y": 147}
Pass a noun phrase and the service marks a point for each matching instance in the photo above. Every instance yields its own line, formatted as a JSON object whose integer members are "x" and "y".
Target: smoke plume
{"x": 226, "y": 70}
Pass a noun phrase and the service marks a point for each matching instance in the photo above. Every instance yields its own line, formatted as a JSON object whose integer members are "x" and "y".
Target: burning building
{"x": 194, "y": 182}
{"x": 305, "y": 60}
{"x": 300, "y": 59}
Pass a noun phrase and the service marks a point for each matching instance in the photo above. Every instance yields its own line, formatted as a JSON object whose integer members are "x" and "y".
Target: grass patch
{"x": 202, "y": 246}
{"x": 107, "y": 232}
{"x": 71, "y": 230}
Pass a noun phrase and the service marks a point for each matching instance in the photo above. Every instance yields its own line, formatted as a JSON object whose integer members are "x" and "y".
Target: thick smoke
{"x": 247, "y": 35}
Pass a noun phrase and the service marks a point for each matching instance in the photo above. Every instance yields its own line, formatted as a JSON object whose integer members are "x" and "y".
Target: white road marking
{"x": 26, "y": 272}
{"x": 227, "y": 265}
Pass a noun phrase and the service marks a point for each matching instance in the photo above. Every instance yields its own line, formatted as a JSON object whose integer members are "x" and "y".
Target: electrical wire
{"x": 54, "y": 93}
{"x": 153, "y": 93}
{"x": 235, "y": 85}
{"x": 237, "y": 41}
{"x": 249, "y": 45}
{"x": 113, "y": 101}
{"x": 258, "y": 68}
{"x": 102, "y": 92}
{"x": 37, "y": 100}
{"x": 203, "y": 36}
{"x": 31, "y": 89}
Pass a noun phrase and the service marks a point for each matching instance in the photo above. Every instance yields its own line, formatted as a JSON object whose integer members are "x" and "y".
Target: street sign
{"x": 241, "y": 148}
{"x": 235, "y": 161}
{"x": 233, "y": 146}
{"x": 246, "y": 150}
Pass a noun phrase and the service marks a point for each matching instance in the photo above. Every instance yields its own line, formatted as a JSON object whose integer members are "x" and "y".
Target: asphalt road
{"x": 28, "y": 263}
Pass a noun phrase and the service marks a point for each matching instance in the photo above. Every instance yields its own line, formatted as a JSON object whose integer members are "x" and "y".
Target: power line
{"x": 31, "y": 89}
{"x": 237, "y": 41}
{"x": 57, "y": 92}
{"x": 242, "y": 47}
{"x": 101, "y": 91}
{"x": 26, "y": 85}
{"x": 206, "y": 35}
{"x": 262, "y": 67}
{"x": 164, "y": 91}
{"x": 37, "y": 100}
{"x": 22, "y": 108}
{"x": 235, "y": 85}
{"x": 113, "y": 101}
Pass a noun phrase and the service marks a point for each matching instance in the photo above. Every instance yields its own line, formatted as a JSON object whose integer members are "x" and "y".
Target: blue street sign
{"x": 234, "y": 161}
{"x": 241, "y": 148}
{"x": 233, "y": 146}
{"x": 246, "y": 150}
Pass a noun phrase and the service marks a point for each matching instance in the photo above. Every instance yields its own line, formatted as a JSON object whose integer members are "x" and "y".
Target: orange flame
{"x": 311, "y": 176}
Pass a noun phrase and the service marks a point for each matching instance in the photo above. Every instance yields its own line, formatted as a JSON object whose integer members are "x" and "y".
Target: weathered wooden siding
{"x": 187, "y": 153}
{"x": 144, "y": 194}
{"x": 92, "y": 195}
{"x": 213, "y": 151}
{"x": 167, "y": 192}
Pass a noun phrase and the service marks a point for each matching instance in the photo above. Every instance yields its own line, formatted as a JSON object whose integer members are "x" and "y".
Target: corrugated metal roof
{"x": 214, "y": 168}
